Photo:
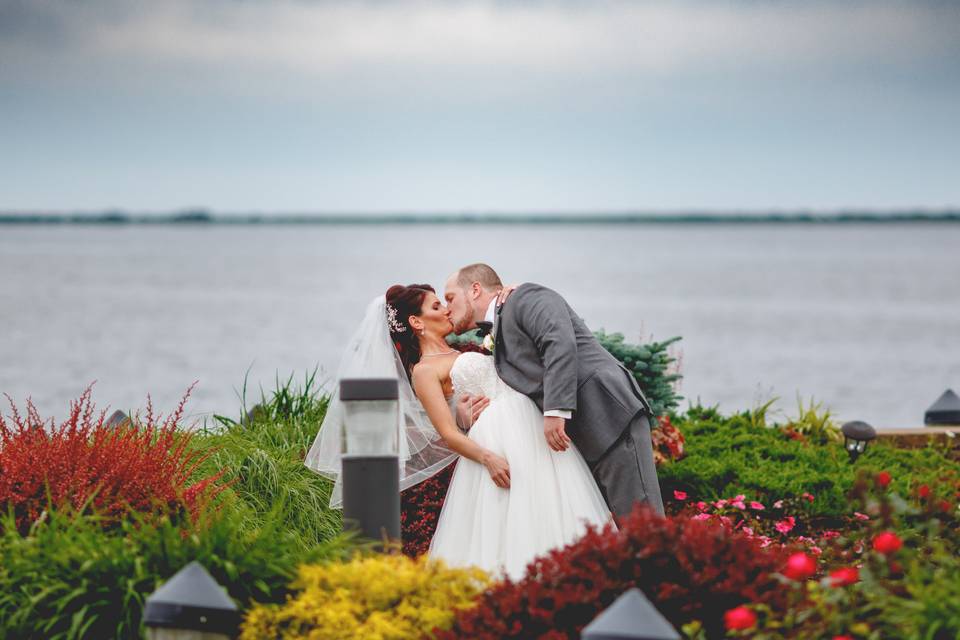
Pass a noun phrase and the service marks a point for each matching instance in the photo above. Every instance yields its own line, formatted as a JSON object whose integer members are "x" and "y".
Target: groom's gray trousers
{"x": 620, "y": 471}
{"x": 545, "y": 351}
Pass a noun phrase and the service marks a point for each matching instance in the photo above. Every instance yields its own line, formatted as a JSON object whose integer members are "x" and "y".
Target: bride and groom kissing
{"x": 552, "y": 433}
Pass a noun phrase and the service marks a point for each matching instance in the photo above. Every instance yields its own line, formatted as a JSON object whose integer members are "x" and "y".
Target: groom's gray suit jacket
{"x": 545, "y": 351}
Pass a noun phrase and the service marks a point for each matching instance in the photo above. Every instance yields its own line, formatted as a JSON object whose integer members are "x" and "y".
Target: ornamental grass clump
{"x": 261, "y": 457}
{"x": 389, "y": 597}
{"x": 143, "y": 466}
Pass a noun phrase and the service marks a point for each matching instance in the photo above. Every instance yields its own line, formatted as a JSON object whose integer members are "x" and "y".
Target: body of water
{"x": 864, "y": 318}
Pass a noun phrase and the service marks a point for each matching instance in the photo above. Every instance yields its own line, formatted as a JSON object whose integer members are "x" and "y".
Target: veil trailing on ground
{"x": 370, "y": 354}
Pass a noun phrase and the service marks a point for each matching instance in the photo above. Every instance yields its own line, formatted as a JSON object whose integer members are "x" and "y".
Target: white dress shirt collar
{"x": 491, "y": 316}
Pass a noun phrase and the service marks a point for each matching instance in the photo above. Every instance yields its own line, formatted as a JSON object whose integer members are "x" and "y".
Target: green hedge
{"x": 730, "y": 455}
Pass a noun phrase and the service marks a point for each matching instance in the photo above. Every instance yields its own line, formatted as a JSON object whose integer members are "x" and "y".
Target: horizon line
{"x": 206, "y": 216}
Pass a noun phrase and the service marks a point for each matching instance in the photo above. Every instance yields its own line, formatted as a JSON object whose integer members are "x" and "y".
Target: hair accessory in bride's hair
{"x": 395, "y": 325}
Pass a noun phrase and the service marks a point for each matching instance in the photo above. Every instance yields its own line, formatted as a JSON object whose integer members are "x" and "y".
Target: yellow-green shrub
{"x": 385, "y": 597}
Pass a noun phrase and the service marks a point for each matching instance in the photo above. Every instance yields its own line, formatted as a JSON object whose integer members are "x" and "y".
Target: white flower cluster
{"x": 395, "y": 325}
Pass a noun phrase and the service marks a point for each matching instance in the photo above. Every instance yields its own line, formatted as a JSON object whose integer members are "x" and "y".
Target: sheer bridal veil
{"x": 370, "y": 354}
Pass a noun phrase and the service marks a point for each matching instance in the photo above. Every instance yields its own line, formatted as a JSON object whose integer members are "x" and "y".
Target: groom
{"x": 545, "y": 351}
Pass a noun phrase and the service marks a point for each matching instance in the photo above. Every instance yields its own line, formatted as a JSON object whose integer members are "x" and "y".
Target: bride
{"x": 511, "y": 497}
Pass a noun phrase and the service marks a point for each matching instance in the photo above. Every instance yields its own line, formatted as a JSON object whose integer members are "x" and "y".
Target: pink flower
{"x": 702, "y": 516}
{"x": 815, "y": 550}
{"x": 757, "y": 506}
{"x": 808, "y": 496}
{"x": 739, "y": 504}
{"x": 740, "y": 497}
{"x": 720, "y": 504}
{"x": 778, "y": 504}
{"x": 786, "y": 525}
{"x": 748, "y": 531}
{"x": 830, "y": 535}
{"x": 702, "y": 506}
{"x": 765, "y": 542}
{"x": 679, "y": 495}
{"x": 860, "y": 516}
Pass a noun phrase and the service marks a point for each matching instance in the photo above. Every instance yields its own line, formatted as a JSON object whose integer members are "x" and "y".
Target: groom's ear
{"x": 476, "y": 290}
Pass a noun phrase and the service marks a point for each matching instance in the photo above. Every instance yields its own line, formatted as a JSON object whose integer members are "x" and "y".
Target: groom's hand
{"x": 469, "y": 409}
{"x": 554, "y": 428}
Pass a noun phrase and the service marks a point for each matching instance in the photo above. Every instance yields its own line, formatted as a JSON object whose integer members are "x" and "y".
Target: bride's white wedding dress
{"x": 552, "y": 495}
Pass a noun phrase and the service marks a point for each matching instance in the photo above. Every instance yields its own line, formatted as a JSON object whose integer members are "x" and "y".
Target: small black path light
{"x": 191, "y": 606}
{"x": 856, "y": 435}
{"x": 945, "y": 411}
{"x": 630, "y": 617}
{"x": 370, "y": 457}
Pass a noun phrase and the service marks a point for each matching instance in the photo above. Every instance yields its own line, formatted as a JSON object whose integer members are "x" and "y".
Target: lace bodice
{"x": 475, "y": 374}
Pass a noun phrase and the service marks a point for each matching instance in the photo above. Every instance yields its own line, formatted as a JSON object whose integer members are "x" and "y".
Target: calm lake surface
{"x": 864, "y": 318}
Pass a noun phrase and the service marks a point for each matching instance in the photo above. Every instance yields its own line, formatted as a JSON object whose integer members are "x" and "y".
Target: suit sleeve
{"x": 542, "y": 315}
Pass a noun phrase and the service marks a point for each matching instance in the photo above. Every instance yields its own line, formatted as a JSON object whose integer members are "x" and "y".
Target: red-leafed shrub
{"x": 143, "y": 467}
{"x": 420, "y": 507}
{"x": 690, "y": 570}
{"x": 667, "y": 441}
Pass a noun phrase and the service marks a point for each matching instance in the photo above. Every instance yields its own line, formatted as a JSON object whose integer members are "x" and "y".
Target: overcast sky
{"x": 299, "y": 106}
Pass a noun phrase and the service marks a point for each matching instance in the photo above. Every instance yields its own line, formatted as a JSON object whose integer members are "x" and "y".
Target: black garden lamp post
{"x": 630, "y": 617}
{"x": 856, "y": 435}
{"x": 945, "y": 411}
{"x": 370, "y": 457}
{"x": 191, "y": 606}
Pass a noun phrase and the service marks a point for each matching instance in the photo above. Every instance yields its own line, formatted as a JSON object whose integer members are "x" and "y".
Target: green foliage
{"x": 651, "y": 364}
{"x": 262, "y": 460}
{"x": 742, "y": 454}
{"x": 69, "y": 578}
{"x": 910, "y": 592}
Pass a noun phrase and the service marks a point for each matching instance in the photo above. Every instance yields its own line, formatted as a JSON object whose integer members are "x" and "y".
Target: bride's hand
{"x": 499, "y": 469}
{"x": 505, "y": 293}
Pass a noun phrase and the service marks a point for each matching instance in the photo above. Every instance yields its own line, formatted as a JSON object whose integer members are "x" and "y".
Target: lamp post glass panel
{"x": 856, "y": 435}
{"x": 370, "y": 457}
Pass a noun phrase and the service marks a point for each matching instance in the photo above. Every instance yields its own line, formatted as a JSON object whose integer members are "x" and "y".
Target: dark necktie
{"x": 484, "y": 328}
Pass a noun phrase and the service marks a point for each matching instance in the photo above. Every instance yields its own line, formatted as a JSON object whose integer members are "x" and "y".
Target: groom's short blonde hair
{"x": 479, "y": 272}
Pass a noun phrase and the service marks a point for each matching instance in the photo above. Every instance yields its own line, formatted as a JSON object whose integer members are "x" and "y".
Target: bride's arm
{"x": 429, "y": 390}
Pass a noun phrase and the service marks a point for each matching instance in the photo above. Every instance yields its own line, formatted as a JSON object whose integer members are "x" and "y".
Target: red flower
{"x": 883, "y": 479}
{"x": 800, "y": 566}
{"x": 923, "y": 491}
{"x": 740, "y": 618}
{"x": 945, "y": 506}
{"x": 844, "y": 576}
{"x": 680, "y": 495}
{"x": 887, "y": 542}
{"x": 844, "y": 637}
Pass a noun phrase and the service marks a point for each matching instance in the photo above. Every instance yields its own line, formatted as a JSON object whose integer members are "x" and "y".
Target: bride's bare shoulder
{"x": 424, "y": 371}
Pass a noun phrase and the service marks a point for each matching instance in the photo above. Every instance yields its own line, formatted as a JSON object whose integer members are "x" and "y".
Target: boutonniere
{"x": 489, "y": 343}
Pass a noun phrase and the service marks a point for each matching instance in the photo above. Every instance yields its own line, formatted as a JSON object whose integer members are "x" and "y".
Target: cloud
{"x": 329, "y": 39}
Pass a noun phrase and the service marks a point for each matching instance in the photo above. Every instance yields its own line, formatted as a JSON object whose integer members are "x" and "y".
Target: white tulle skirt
{"x": 551, "y": 499}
